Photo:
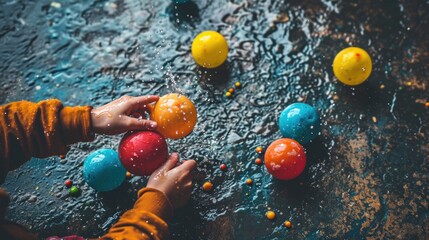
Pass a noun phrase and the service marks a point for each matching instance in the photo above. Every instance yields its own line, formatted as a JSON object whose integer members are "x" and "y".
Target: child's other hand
{"x": 174, "y": 181}
{"x": 124, "y": 114}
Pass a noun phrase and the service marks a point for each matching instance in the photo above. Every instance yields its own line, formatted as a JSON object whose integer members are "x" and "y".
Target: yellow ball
{"x": 352, "y": 66}
{"x": 209, "y": 49}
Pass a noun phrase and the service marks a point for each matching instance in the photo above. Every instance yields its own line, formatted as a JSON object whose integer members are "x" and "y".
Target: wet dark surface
{"x": 366, "y": 174}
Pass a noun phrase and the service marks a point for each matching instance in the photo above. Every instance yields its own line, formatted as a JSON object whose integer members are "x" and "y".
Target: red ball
{"x": 223, "y": 167}
{"x": 142, "y": 152}
{"x": 285, "y": 159}
{"x": 68, "y": 183}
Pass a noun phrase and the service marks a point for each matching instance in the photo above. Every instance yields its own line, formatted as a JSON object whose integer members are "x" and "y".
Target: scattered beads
{"x": 249, "y": 181}
{"x": 231, "y": 90}
{"x": 259, "y": 149}
{"x": 228, "y": 94}
{"x": 207, "y": 186}
{"x": 55, "y": 4}
{"x": 74, "y": 191}
{"x": 288, "y": 224}
{"x": 223, "y": 167}
{"x": 237, "y": 84}
{"x": 258, "y": 162}
{"x": 128, "y": 175}
{"x": 270, "y": 215}
{"x": 68, "y": 183}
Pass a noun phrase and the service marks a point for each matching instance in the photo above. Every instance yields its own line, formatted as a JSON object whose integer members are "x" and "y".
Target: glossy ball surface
{"x": 285, "y": 159}
{"x": 270, "y": 215}
{"x": 74, "y": 191}
{"x": 209, "y": 49}
{"x": 143, "y": 152}
{"x": 175, "y": 115}
{"x": 103, "y": 171}
{"x": 207, "y": 186}
{"x": 352, "y": 66}
{"x": 300, "y": 121}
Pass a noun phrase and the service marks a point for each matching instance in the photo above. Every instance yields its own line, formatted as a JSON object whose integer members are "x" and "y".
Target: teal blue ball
{"x": 300, "y": 122}
{"x": 103, "y": 170}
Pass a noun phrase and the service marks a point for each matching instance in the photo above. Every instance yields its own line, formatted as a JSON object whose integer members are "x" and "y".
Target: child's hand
{"x": 174, "y": 182}
{"x": 124, "y": 114}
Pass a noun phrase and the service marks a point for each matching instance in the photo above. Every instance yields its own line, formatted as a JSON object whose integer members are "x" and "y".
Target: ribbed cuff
{"x": 154, "y": 201}
{"x": 76, "y": 124}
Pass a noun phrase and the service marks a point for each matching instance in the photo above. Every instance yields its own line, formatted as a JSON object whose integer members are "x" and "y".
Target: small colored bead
{"x": 288, "y": 224}
{"x": 62, "y": 156}
{"x": 128, "y": 175}
{"x": 258, "y": 161}
{"x": 68, "y": 183}
{"x": 207, "y": 186}
{"x": 231, "y": 90}
{"x": 228, "y": 94}
{"x": 259, "y": 149}
{"x": 74, "y": 191}
{"x": 223, "y": 167}
{"x": 237, "y": 84}
{"x": 427, "y": 104}
{"x": 270, "y": 215}
{"x": 249, "y": 181}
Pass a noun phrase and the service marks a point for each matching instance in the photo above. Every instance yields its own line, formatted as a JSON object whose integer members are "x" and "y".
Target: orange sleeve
{"x": 146, "y": 220}
{"x": 39, "y": 130}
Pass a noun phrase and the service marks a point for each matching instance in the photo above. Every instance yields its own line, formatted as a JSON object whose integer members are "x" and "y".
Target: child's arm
{"x": 168, "y": 188}
{"x": 47, "y": 128}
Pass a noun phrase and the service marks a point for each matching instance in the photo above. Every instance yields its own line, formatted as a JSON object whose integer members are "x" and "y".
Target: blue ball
{"x": 300, "y": 122}
{"x": 103, "y": 170}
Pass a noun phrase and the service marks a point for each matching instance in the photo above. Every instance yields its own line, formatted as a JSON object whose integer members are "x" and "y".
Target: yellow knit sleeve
{"x": 146, "y": 220}
{"x": 41, "y": 129}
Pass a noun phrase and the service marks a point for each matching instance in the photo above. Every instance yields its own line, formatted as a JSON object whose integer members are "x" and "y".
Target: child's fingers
{"x": 139, "y": 114}
{"x": 187, "y": 177}
{"x": 188, "y": 184}
{"x": 140, "y": 124}
{"x": 188, "y": 165}
{"x": 171, "y": 162}
{"x": 140, "y": 103}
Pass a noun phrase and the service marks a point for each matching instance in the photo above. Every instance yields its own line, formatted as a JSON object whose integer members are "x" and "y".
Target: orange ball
{"x": 175, "y": 115}
{"x": 285, "y": 159}
{"x": 208, "y": 186}
{"x": 270, "y": 215}
{"x": 249, "y": 181}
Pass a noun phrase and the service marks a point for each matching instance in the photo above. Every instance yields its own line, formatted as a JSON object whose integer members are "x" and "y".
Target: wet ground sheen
{"x": 367, "y": 173}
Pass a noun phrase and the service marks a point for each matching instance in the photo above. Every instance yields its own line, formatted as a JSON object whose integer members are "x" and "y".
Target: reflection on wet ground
{"x": 366, "y": 173}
